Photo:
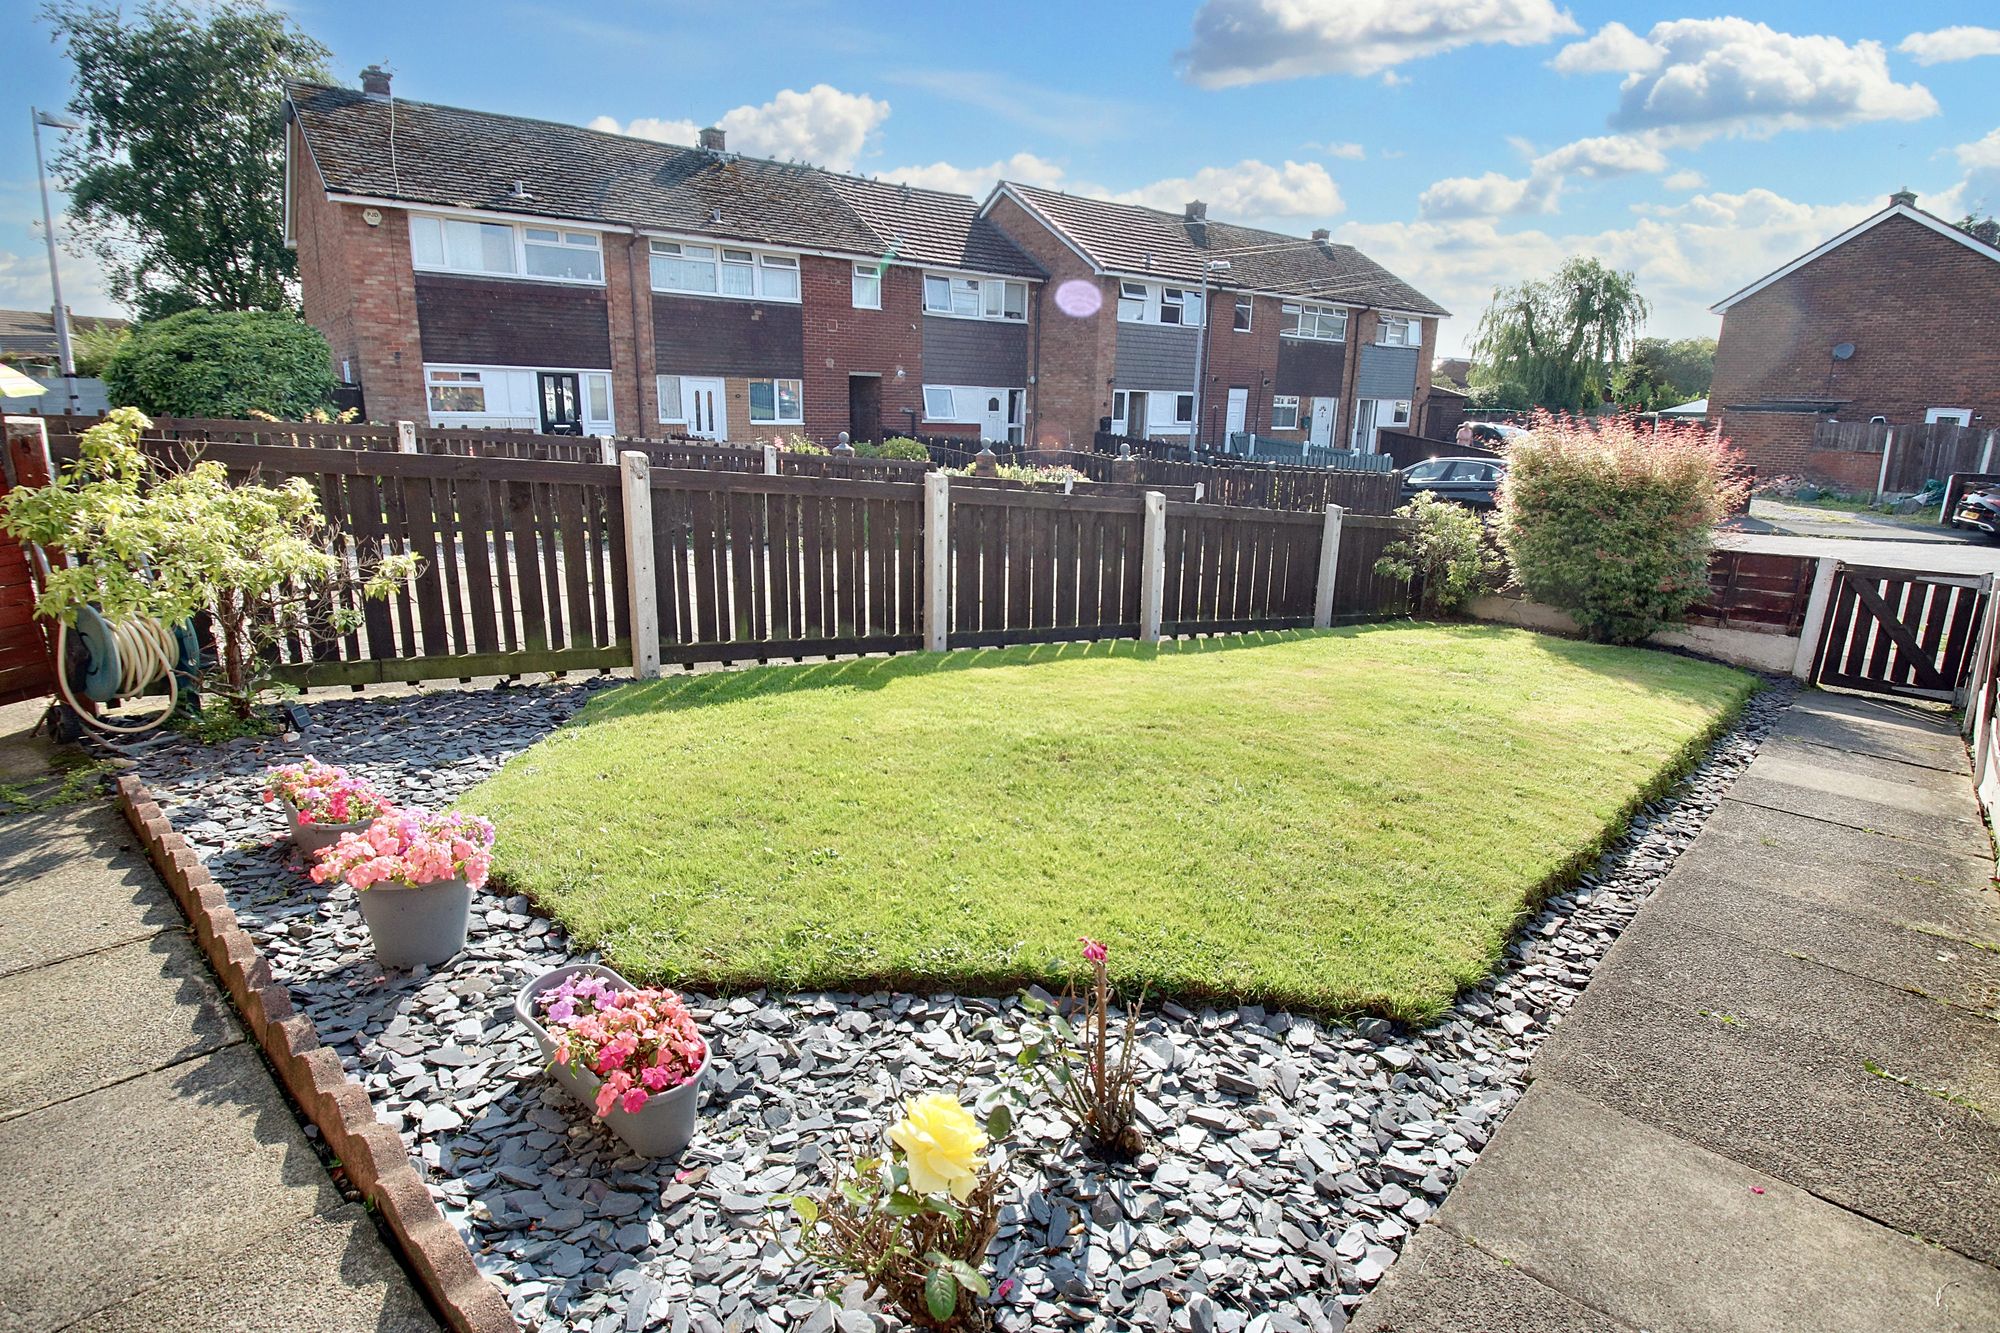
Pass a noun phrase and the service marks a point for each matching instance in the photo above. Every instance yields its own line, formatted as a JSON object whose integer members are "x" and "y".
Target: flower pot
{"x": 415, "y": 927}
{"x": 660, "y": 1128}
{"x": 311, "y": 839}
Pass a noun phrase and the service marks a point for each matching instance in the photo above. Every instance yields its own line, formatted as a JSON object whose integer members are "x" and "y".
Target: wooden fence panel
{"x": 1035, "y": 566}
{"x": 1233, "y": 568}
{"x": 1763, "y": 591}
{"x": 1358, "y": 591}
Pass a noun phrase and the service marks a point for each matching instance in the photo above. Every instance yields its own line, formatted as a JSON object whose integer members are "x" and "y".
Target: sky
{"x": 1462, "y": 143}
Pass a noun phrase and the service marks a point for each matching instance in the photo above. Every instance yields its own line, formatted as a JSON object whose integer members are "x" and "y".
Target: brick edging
{"x": 370, "y": 1152}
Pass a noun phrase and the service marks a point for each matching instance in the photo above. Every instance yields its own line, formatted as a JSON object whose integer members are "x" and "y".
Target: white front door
{"x": 707, "y": 408}
{"x": 1239, "y": 411}
{"x": 1321, "y": 433}
{"x": 1364, "y": 425}
{"x": 993, "y": 417}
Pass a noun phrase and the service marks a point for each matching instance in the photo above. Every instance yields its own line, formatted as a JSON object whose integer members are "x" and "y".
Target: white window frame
{"x": 581, "y": 242}
{"x": 868, "y": 278}
{"x": 971, "y": 296}
{"x": 1245, "y": 313}
{"x": 1287, "y": 403}
{"x": 1188, "y": 400}
{"x": 1141, "y": 302}
{"x": 1312, "y": 322}
{"x": 450, "y": 377}
{"x": 491, "y": 380}
{"x": 777, "y": 401}
{"x": 975, "y": 394}
{"x": 1961, "y": 415}
{"x": 715, "y": 256}
{"x": 1408, "y": 331}
{"x": 678, "y": 416}
{"x": 517, "y": 244}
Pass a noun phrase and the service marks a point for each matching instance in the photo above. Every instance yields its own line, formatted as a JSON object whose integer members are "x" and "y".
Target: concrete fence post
{"x": 1153, "y": 568}
{"x": 637, "y": 479}
{"x": 770, "y": 460}
{"x": 1986, "y": 452}
{"x": 1888, "y": 451}
{"x": 937, "y": 560}
{"x": 1329, "y": 566}
{"x": 608, "y": 449}
{"x": 1815, "y": 622}
{"x": 406, "y": 437}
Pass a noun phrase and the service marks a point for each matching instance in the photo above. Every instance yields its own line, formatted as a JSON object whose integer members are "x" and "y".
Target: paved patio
{"x": 1778, "y": 1104}
{"x": 156, "y": 1177}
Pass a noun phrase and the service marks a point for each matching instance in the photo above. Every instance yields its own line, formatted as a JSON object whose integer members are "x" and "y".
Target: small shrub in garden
{"x": 1446, "y": 549}
{"x": 412, "y": 848}
{"x": 223, "y": 363}
{"x": 903, "y": 447}
{"x": 914, "y": 1223}
{"x": 324, "y": 793}
{"x": 639, "y": 1042}
{"x": 1612, "y": 521}
{"x": 1095, "y": 1091}
{"x": 799, "y": 444}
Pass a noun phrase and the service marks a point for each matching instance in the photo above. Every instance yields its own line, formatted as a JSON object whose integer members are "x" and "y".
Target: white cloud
{"x": 1685, "y": 180}
{"x": 979, "y": 181}
{"x": 1606, "y": 155}
{"x": 1703, "y": 78}
{"x": 1249, "y": 189}
{"x": 24, "y": 281}
{"x": 1490, "y": 195}
{"x": 822, "y": 125}
{"x": 1949, "y": 44}
{"x": 1495, "y": 194}
{"x": 1254, "y": 41}
{"x": 1613, "y": 49}
{"x": 1349, "y": 152}
{"x": 1979, "y": 192}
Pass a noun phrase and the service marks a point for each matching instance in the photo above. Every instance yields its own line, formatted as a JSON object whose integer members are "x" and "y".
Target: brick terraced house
{"x": 1896, "y": 320}
{"x": 487, "y": 270}
{"x": 1309, "y": 340}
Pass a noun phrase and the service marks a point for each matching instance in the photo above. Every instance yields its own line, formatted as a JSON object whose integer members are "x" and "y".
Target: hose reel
{"x": 103, "y": 661}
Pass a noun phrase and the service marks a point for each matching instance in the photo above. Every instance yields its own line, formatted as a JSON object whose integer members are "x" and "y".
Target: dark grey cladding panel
{"x": 1155, "y": 356}
{"x": 980, "y": 352}
{"x": 694, "y": 335}
{"x": 1309, "y": 369}
{"x": 1387, "y": 372}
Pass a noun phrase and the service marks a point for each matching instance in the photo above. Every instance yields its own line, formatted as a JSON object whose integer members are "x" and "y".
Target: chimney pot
{"x": 711, "y": 139}
{"x": 375, "y": 81}
{"x": 1906, "y": 197}
{"x": 1197, "y": 211}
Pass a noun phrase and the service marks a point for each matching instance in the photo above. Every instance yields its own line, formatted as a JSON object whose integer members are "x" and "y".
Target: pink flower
{"x": 1093, "y": 952}
{"x": 634, "y": 1100}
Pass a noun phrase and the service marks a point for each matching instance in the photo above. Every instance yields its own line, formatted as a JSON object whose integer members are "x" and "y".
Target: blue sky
{"x": 1463, "y": 143}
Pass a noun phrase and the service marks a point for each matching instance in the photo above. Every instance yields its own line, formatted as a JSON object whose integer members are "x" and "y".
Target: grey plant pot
{"x": 663, "y": 1126}
{"x": 417, "y": 927}
{"x": 312, "y": 839}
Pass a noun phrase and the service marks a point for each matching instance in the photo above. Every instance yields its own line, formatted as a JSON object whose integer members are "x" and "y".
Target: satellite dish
{"x": 1843, "y": 351}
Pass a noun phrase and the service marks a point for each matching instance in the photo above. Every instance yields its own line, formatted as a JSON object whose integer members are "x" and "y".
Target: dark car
{"x": 1980, "y": 511}
{"x": 1469, "y": 481}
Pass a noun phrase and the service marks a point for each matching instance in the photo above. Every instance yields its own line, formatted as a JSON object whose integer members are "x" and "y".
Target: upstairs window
{"x": 1398, "y": 331}
{"x": 1144, "y": 303}
{"x": 573, "y": 255}
{"x": 1132, "y": 302}
{"x": 867, "y": 287}
{"x": 498, "y": 249}
{"x": 1244, "y": 308}
{"x": 975, "y": 298}
{"x": 707, "y": 270}
{"x": 683, "y": 268}
{"x": 1323, "y": 323}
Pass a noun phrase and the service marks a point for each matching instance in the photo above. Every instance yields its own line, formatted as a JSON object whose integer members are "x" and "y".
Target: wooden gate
{"x": 1895, "y": 631}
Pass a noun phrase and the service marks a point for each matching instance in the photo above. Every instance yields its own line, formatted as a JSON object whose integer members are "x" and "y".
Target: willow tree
{"x": 1556, "y": 343}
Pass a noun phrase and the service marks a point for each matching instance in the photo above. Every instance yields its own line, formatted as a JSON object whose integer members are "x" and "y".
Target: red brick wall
{"x": 1843, "y": 469}
{"x": 1775, "y": 443}
{"x": 1922, "y": 311}
{"x": 1239, "y": 360}
{"x": 1077, "y": 355}
{"x": 628, "y": 298}
{"x": 841, "y": 341}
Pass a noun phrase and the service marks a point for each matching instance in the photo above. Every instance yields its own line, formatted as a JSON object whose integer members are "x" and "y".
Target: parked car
{"x": 1469, "y": 481}
{"x": 1980, "y": 511}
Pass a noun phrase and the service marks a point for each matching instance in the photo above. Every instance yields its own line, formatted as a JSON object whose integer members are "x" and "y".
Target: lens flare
{"x": 1079, "y": 298}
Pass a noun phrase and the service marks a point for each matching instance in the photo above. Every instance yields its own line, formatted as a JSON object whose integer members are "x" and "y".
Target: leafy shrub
{"x": 898, "y": 446}
{"x": 223, "y": 363}
{"x": 800, "y": 444}
{"x": 1611, "y": 521}
{"x": 1040, "y": 476}
{"x": 92, "y": 348}
{"x": 1446, "y": 549}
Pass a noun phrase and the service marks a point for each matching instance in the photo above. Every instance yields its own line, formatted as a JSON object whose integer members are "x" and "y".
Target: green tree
{"x": 177, "y": 178}
{"x": 1986, "y": 229}
{"x": 1556, "y": 343}
{"x": 1663, "y": 373}
{"x": 223, "y": 363}
{"x": 95, "y": 346}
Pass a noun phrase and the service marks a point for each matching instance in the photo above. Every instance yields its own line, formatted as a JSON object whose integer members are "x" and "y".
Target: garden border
{"x": 373, "y": 1155}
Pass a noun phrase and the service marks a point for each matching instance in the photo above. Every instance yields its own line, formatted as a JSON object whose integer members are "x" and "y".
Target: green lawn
{"x": 1349, "y": 820}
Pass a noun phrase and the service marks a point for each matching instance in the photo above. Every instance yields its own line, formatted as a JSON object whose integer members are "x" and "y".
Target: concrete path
{"x": 1777, "y": 1106}
{"x": 1931, "y": 557}
{"x": 154, "y": 1176}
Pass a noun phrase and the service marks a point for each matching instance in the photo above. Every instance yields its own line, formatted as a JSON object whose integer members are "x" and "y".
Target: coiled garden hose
{"x": 148, "y": 649}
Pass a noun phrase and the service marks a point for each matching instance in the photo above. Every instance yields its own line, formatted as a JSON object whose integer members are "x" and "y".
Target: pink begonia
{"x": 413, "y": 848}
{"x": 639, "y": 1042}
{"x": 324, "y": 793}
{"x": 1093, "y": 952}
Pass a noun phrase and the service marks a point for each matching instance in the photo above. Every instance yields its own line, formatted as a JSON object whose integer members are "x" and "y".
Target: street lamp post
{"x": 1208, "y": 267}
{"x": 68, "y": 359}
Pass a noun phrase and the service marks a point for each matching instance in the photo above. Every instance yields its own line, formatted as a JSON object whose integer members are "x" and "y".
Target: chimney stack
{"x": 375, "y": 81}
{"x": 1905, "y": 196}
{"x": 1196, "y": 217}
{"x": 1322, "y": 235}
{"x": 711, "y": 140}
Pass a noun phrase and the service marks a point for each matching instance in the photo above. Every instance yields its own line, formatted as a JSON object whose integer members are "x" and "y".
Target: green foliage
{"x": 1664, "y": 373}
{"x": 1446, "y": 549}
{"x": 1986, "y": 229}
{"x": 896, "y": 446}
{"x": 177, "y": 180}
{"x": 219, "y": 721}
{"x": 223, "y": 363}
{"x": 94, "y": 347}
{"x": 1613, "y": 522}
{"x": 1555, "y": 343}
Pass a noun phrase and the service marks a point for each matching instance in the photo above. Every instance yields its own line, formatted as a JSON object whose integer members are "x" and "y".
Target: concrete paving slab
{"x": 1889, "y": 772}
{"x": 121, "y": 1188}
{"x": 1822, "y": 791}
{"x": 1863, "y": 729}
{"x": 1878, "y": 709}
{"x": 108, "y": 1016}
{"x": 73, "y": 881}
{"x": 1667, "y": 1237}
{"x": 328, "y": 1274}
{"x": 1765, "y": 1059}
{"x": 1443, "y": 1284}
{"x": 1817, "y": 919}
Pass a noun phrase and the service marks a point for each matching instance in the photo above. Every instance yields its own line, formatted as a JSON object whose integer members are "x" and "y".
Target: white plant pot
{"x": 660, "y": 1128}
{"x": 312, "y": 839}
{"x": 417, "y": 927}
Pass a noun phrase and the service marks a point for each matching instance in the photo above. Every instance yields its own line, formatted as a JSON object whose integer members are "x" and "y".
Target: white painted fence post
{"x": 406, "y": 437}
{"x": 639, "y": 574}
{"x": 1888, "y": 449}
{"x": 1986, "y": 452}
{"x": 1329, "y": 565}
{"x": 1816, "y": 606}
{"x": 770, "y": 460}
{"x": 607, "y": 448}
{"x": 937, "y": 560}
{"x": 1153, "y": 568}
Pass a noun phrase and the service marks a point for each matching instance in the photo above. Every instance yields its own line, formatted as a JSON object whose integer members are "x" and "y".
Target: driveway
{"x": 1931, "y": 557}
{"x": 1775, "y": 516}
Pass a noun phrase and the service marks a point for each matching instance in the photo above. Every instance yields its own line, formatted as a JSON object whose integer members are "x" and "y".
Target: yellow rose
{"x": 942, "y": 1142}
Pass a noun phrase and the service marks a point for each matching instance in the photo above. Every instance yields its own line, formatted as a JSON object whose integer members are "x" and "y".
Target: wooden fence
{"x": 1912, "y": 455}
{"x": 1757, "y": 591}
{"x": 25, "y": 642}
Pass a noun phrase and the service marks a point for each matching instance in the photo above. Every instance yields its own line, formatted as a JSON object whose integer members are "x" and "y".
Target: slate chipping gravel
{"x": 1291, "y": 1158}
